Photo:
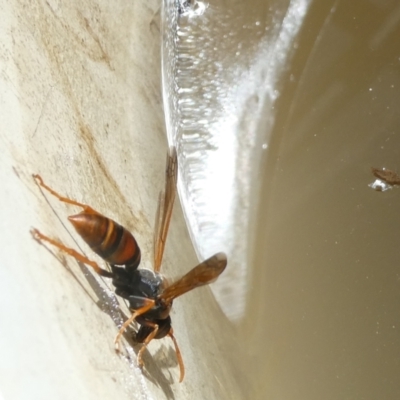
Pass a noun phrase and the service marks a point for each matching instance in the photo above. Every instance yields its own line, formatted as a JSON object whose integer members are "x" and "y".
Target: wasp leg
{"x": 178, "y": 355}
{"x": 67, "y": 200}
{"x": 43, "y": 238}
{"x": 140, "y": 311}
{"x": 148, "y": 339}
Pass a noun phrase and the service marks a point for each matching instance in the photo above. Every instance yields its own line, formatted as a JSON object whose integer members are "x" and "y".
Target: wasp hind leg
{"x": 85, "y": 207}
{"x": 79, "y": 257}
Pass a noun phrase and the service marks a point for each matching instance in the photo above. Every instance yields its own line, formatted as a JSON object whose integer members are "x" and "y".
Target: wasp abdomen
{"x": 107, "y": 238}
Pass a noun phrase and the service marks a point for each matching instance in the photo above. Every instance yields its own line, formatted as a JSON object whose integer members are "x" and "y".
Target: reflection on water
{"x": 221, "y": 67}
{"x": 379, "y": 185}
{"x": 317, "y": 85}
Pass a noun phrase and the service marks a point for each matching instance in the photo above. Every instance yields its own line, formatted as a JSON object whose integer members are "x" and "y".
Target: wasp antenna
{"x": 178, "y": 355}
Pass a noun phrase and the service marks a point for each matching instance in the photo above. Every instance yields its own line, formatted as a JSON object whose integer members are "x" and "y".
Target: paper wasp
{"x": 149, "y": 296}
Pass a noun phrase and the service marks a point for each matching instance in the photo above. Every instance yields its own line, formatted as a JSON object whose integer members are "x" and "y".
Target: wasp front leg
{"x": 164, "y": 328}
{"x": 148, "y": 339}
{"x": 148, "y": 304}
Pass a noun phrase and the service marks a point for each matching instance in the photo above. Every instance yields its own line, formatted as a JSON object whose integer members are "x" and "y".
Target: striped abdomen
{"x": 109, "y": 240}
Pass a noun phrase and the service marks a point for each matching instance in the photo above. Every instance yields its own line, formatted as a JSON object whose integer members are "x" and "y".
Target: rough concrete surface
{"x": 80, "y": 95}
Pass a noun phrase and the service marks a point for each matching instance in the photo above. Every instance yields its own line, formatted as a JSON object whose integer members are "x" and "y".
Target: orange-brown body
{"x": 148, "y": 294}
{"x": 107, "y": 238}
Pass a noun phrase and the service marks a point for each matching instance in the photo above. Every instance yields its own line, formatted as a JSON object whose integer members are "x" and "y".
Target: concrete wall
{"x": 80, "y": 95}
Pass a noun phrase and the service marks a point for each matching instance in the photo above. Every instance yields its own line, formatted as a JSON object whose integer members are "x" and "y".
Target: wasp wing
{"x": 204, "y": 273}
{"x": 165, "y": 207}
{"x": 156, "y": 239}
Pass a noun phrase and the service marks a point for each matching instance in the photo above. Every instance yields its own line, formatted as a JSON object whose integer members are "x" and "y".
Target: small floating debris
{"x": 386, "y": 179}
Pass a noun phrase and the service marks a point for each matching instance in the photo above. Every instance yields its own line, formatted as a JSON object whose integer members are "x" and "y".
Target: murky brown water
{"x": 323, "y": 314}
